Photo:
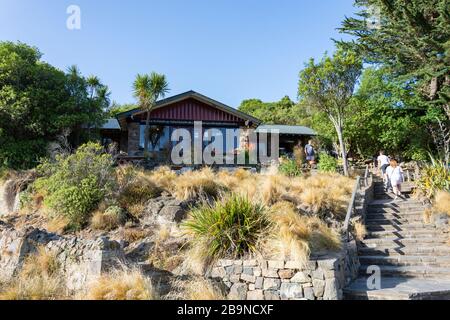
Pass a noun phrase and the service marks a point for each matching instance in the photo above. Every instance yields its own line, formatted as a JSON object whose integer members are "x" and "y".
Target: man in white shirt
{"x": 383, "y": 163}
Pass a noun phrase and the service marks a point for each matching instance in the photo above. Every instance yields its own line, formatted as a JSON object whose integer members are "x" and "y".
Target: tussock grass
{"x": 231, "y": 227}
{"x": 320, "y": 194}
{"x": 163, "y": 177}
{"x": 58, "y": 224}
{"x": 165, "y": 254}
{"x": 132, "y": 234}
{"x": 136, "y": 188}
{"x": 294, "y": 236}
{"x": 121, "y": 284}
{"x": 197, "y": 184}
{"x": 196, "y": 289}
{"x": 273, "y": 187}
{"x": 359, "y": 230}
{"x": 441, "y": 202}
{"x": 39, "y": 279}
{"x": 110, "y": 219}
{"x": 140, "y": 190}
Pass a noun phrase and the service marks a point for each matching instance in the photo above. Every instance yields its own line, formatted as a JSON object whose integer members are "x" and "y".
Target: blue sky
{"x": 229, "y": 50}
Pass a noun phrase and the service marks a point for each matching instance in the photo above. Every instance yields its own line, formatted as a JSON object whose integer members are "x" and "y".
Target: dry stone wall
{"x": 80, "y": 259}
{"x": 321, "y": 278}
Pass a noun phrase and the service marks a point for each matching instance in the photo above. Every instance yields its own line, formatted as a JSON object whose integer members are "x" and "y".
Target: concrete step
{"x": 396, "y": 204}
{"x": 409, "y": 271}
{"x": 393, "y": 219}
{"x": 414, "y": 242}
{"x": 401, "y": 211}
{"x": 400, "y": 260}
{"x": 402, "y": 234}
{"x": 399, "y": 288}
{"x": 388, "y": 196}
{"x": 401, "y": 227}
{"x": 436, "y": 251}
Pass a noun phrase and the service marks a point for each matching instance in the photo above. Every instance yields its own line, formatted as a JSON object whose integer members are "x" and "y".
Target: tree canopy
{"x": 411, "y": 39}
{"x": 38, "y": 101}
{"x": 328, "y": 86}
{"x": 285, "y": 111}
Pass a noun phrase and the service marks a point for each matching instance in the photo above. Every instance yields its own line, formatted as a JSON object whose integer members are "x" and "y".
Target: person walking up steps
{"x": 310, "y": 154}
{"x": 383, "y": 163}
{"x": 395, "y": 175}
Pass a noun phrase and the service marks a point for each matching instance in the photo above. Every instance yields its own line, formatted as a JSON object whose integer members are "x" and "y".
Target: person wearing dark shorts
{"x": 310, "y": 153}
{"x": 383, "y": 164}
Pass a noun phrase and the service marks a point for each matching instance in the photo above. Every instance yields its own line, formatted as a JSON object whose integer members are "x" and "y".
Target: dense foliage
{"x": 284, "y": 111}
{"x": 434, "y": 177}
{"x": 411, "y": 39}
{"x": 290, "y": 168}
{"x": 327, "y": 163}
{"x": 74, "y": 185}
{"x": 328, "y": 86}
{"x": 38, "y": 101}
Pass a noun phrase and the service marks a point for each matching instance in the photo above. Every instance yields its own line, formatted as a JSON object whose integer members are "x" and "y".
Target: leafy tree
{"x": 38, "y": 101}
{"x": 328, "y": 87}
{"x": 412, "y": 39}
{"x": 148, "y": 89}
{"x": 117, "y": 108}
{"x": 386, "y": 115}
{"x": 284, "y": 111}
{"x": 89, "y": 99}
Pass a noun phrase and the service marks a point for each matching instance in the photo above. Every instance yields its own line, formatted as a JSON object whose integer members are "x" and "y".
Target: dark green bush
{"x": 327, "y": 163}
{"x": 290, "y": 168}
{"x": 74, "y": 185}
{"x": 21, "y": 155}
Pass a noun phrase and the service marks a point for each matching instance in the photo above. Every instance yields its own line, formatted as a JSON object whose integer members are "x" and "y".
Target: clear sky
{"x": 229, "y": 50}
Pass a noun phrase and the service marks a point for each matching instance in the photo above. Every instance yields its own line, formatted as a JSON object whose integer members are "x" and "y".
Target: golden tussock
{"x": 121, "y": 284}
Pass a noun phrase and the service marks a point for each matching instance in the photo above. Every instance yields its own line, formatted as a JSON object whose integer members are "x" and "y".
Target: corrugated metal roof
{"x": 294, "y": 130}
{"x": 111, "y": 124}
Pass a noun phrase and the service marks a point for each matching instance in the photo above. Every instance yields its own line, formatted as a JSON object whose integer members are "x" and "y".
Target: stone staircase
{"x": 413, "y": 257}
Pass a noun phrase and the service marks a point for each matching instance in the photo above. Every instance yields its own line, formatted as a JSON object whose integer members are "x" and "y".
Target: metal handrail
{"x": 366, "y": 176}
{"x": 351, "y": 206}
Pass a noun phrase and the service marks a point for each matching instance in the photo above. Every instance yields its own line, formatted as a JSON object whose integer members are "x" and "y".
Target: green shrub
{"x": 22, "y": 154}
{"x": 229, "y": 228}
{"x": 289, "y": 168}
{"x": 327, "y": 163}
{"x": 74, "y": 185}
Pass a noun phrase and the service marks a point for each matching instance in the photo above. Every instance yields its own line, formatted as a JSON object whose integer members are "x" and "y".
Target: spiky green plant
{"x": 229, "y": 228}
{"x": 434, "y": 177}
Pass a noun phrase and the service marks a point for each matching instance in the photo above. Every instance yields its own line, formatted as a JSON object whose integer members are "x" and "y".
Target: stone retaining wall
{"x": 321, "y": 278}
{"x": 366, "y": 196}
{"x": 80, "y": 260}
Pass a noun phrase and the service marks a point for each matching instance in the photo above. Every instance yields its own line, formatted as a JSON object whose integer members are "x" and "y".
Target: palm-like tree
{"x": 93, "y": 83}
{"x": 148, "y": 89}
